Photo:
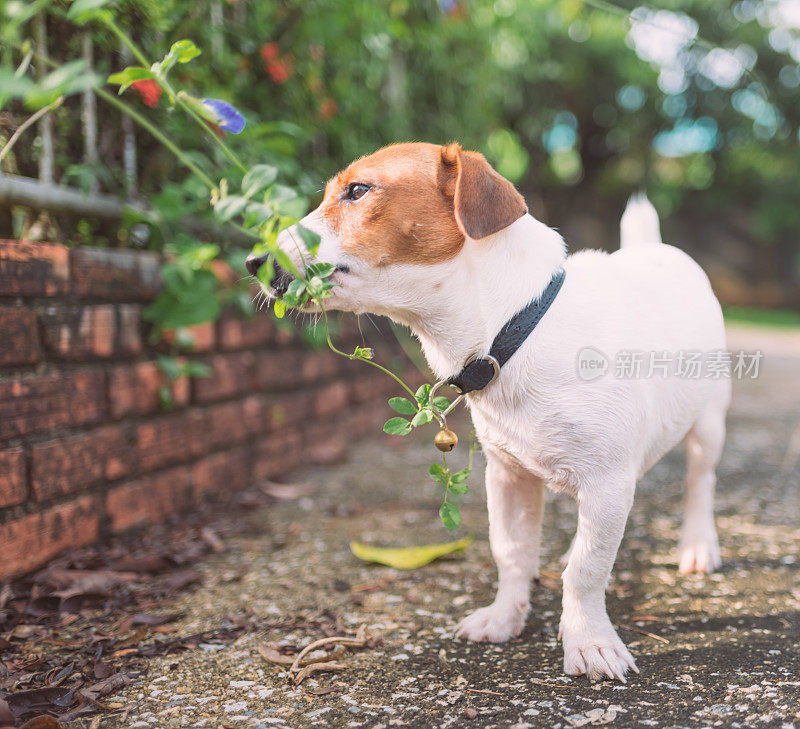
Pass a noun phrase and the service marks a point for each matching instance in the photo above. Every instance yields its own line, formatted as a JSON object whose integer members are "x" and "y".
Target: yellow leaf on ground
{"x": 407, "y": 558}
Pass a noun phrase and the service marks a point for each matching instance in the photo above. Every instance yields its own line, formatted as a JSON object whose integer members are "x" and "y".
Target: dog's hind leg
{"x": 516, "y": 501}
{"x": 698, "y": 549}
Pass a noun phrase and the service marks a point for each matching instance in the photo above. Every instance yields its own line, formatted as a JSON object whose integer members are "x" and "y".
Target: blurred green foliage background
{"x": 579, "y": 103}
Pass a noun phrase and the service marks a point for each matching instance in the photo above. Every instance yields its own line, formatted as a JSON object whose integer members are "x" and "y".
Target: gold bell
{"x": 445, "y": 440}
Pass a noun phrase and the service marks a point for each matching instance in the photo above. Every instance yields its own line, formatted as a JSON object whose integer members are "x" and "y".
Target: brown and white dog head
{"x": 392, "y": 221}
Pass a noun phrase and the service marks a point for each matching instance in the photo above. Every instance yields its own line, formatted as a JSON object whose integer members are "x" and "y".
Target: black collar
{"x": 480, "y": 371}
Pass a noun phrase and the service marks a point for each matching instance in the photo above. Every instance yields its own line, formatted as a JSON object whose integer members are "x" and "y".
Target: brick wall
{"x": 85, "y": 448}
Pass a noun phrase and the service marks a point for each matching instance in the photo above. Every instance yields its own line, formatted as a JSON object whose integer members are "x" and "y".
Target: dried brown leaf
{"x": 41, "y": 722}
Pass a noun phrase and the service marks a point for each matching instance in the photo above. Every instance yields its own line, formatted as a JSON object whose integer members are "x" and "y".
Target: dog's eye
{"x": 356, "y": 190}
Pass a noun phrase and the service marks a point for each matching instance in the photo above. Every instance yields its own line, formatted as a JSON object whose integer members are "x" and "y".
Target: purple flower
{"x": 223, "y": 115}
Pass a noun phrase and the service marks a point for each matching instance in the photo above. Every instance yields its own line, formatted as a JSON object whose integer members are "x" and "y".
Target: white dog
{"x": 435, "y": 239}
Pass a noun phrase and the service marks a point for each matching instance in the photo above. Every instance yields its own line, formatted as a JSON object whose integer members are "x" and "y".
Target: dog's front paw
{"x": 496, "y": 623}
{"x": 699, "y": 553}
{"x": 596, "y": 654}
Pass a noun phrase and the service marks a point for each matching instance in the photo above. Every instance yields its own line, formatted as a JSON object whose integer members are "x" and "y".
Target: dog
{"x": 434, "y": 238}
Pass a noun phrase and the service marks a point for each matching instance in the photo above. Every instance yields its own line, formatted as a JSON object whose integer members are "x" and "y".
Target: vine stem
{"x": 383, "y": 369}
{"x": 158, "y": 134}
{"x": 447, "y": 471}
{"x": 111, "y": 24}
{"x": 30, "y": 120}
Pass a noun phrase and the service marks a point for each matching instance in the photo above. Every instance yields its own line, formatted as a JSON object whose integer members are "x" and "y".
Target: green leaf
{"x": 317, "y": 287}
{"x": 397, "y": 426}
{"x": 423, "y": 417}
{"x": 457, "y": 488}
{"x": 81, "y": 11}
{"x": 13, "y": 86}
{"x": 170, "y": 367}
{"x": 310, "y": 238}
{"x": 422, "y": 394}
{"x": 165, "y": 398}
{"x": 321, "y": 270}
{"x": 257, "y": 214}
{"x": 441, "y": 403}
{"x": 182, "y": 51}
{"x": 258, "y": 178}
{"x": 266, "y": 272}
{"x": 230, "y": 206}
{"x": 460, "y": 476}
{"x": 438, "y": 473}
{"x": 450, "y": 516}
{"x": 286, "y": 263}
{"x": 129, "y": 76}
{"x": 279, "y": 309}
{"x": 402, "y": 405}
{"x": 171, "y": 312}
{"x": 407, "y": 558}
{"x": 294, "y": 292}
{"x": 196, "y": 369}
{"x": 69, "y": 78}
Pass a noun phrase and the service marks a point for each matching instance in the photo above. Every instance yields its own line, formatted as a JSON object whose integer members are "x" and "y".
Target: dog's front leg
{"x": 591, "y": 645}
{"x": 515, "y": 499}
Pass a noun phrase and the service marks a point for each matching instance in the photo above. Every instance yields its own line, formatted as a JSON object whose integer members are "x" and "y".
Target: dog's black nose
{"x": 254, "y": 262}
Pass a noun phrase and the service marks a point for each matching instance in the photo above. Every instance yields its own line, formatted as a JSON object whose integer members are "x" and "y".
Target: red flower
{"x": 280, "y": 69}
{"x": 269, "y": 51}
{"x": 149, "y": 90}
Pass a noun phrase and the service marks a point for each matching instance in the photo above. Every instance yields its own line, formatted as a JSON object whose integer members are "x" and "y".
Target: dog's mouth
{"x": 280, "y": 283}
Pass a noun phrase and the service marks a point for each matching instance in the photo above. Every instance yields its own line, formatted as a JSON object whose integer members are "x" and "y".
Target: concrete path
{"x": 722, "y": 650}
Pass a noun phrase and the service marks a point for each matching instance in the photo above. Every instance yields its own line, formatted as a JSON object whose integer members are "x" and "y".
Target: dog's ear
{"x": 483, "y": 201}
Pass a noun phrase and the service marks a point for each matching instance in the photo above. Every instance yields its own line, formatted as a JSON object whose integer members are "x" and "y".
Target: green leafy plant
{"x": 258, "y": 206}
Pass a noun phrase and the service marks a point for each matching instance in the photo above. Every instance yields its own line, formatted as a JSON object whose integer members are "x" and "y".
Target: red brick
{"x": 30, "y": 541}
{"x": 170, "y": 439}
{"x": 222, "y": 472}
{"x": 253, "y": 414}
{"x": 231, "y": 375}
{"x": 33, "y": 269}
{"x": 364, "y": 420}
{"x": 278, "y": 369}
{"x": 222, "y": 425}
{"x": 374, "y": 389}
{"x": 114, "y": 274}
{"x": 234, "y": 333}
{"x": 203, "y": 337}
{"x": 320, "y": 365}
{"x": 330, "y": 399}
{"x": 276, "y": 454}
{"x": 285, "y": 334}
{"x": 134, "y": 389}
{"x": 72, "y": 464}
{"x": 148, "y": 500}
{"x": 19, "y": 336}
{"x": 129, "y": 329}
{"x": 287, "y": 409}
{"x": 44, "y": 402}
{"x": 13, "y": 477}
{"x": 83, "y": 332}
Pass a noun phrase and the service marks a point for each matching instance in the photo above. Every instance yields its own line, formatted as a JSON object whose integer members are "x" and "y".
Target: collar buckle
{"x": 486, "y": 358}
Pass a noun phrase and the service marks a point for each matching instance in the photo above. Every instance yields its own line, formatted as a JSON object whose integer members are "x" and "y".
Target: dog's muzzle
{"x": 280, "y": 279}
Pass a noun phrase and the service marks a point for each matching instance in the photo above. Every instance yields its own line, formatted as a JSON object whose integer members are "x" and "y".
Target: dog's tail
{"x": 639, "y": 222}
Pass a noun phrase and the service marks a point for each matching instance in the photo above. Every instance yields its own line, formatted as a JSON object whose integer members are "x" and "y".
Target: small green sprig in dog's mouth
{"x": 422, "y": 407}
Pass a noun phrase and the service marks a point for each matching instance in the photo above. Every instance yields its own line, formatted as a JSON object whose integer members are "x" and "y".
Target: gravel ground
{"x": 719, "y": 650}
